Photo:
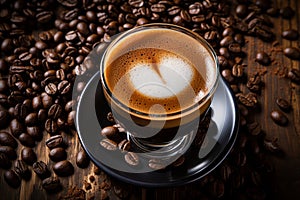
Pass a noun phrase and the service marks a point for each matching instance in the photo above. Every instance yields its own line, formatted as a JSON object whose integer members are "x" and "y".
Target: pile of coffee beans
{"x": 43, "y": 48}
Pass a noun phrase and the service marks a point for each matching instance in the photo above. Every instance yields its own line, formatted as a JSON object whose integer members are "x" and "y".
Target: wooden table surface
{"x": 286, "y": 177}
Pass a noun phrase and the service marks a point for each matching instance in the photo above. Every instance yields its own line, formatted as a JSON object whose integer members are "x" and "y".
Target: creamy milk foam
{"x": 161, "y": 72}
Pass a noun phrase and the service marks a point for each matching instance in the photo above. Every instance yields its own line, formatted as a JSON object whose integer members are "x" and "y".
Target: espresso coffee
{"x": 155, "y": 81}
{"x": 158, "y": 81}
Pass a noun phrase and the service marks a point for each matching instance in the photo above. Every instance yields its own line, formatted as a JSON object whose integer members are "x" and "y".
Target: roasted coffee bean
{"x": 16, "y": 128}
{"x": 51, "y": 126}
{"x": 226, "y": 41}
{"x": 82, "y": 159}
{"x": 263, "y": 58}
{"x": 26, "y": 140}
{"x": 42, "y": 115}
{"x": 227, "y": 74}
{"x": 9, "y": 152}
{"x": 41, "y": 169}
{"x": 57, "y": 154}
{"x": 287, "y": 12}
{"x": 4, "y": 161}
{"x": 12, "y": 179}
{"x": 51, "y": 89}
{"x": 249, "y": 100}
{"x": 279, "y": 118}
{"x": 254, "y": 128}
{"x": 55, "y": 141}
{"x": 237, "y": 70}
{"x": 31, "y": 119}
{"x": 3, "y": 100}
{"x": 156, "y": 164}
{"x": 292, "y": 53}
{"x": 272, "y": 146}
{"x": 158, "y": 8}
{"x": 108, "y": 144}
{"x": 224, "y": 52}
{"x": 44, "y": 16}
{"x": 294, "y": 75}
{"x": 4, "y": 118}
{"x": 47, "y": 101}
{"x": 63, "y": 168}
{"x": 132, "y": 158}
{"x": 283, "y": 104}
{"x": 71, "y": 118}
{"x": 55, "y": 111}
{"x": 3, "y": 66}
{"x": 241, "y": 10}
{"x": 22, "y": 169}
{"x": 7, "y": 139}
{"x": 254, "y": 83}
{"x": 111, "y": 133}
{"x": 64, "y": 87}
{"x": 36, "y": 102}
{"x": 82, "y": 28}
{"x": 51, "y": 184}
{"x": 21, "y": 111}
{"x": 217, "y": 189}
{"x": 124, "y": 145}
{"x": 69, "y": 105}
{"x": 68, "y": 3}
{"x": 290, "y": 34}
{"x": 28, "y": 155}
{"x": 3, "y": 86}
{"x": 35, "y": 132}
{"x": 225, "y": 172}
{"x": 110, "y": 117}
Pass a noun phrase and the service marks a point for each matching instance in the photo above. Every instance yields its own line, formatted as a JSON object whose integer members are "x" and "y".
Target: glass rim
{"x": 177, "y": 28}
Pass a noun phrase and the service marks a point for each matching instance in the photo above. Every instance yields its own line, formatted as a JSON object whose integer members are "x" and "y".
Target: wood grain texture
{"x": 287, "y": 168}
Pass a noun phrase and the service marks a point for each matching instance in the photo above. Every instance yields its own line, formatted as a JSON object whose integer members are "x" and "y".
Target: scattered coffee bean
{"x": 4, "y": 118}
{"x": 57, "y": 154}
{"x": 279, "y": 118}
{"x": 132, "y": 158}
{"x": 283, "y": 104}
{"x": 51, "y": 184}
{"x": 249, "y": 100}
{"x": 55, "y": 111}
{"x": 35, "y": 132}
{"x": 16, "y": 128}
{"x": 4, "y": 161}
{"x": 9, "y": 152}
{"x": 108, "y": 144}
{"x": 41, "y": 169}
{"x": 31, "y": 119}
{"x": 294, "y": 75}
{"x": 28, "y": 155}
{"x": 110, "y": 117}
{"x": 26, "y": 140}
{"x": 263, "y": 58}
{"x": 287, "y": 12}
{"x": 63, "y": 168}
{"x": 55, "y": 141}
{"x": 290, "y": 34}
{"x": 7, "y": 139}
{"x": 82, "y": 159}
{"x": 292, "y": 53}
{"x": 22, "y": 170}
{"x": 12, "y": 179}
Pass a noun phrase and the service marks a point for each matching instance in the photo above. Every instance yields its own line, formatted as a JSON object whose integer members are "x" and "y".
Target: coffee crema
{"x": 155, "y": 81}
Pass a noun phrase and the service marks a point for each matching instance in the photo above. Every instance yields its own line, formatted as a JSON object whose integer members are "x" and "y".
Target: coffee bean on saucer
{"x": 110, "y": 117}
{"x": 283, "y": 104}
{"x": 108, "y": 144}
{"x": 51, "y": 184}
{"x": 279, "y": 118}
{"x": 41, "y": 169}
{"x": 12, "y": 179}
{"x": 124, "y": 145}
{"x": 132, "y": 158}
{"x": 179, "y": 162}
{"x": 263, "y": 58}
{"x": 111, "y": 133}
{"x": 57, "y": 154}
{"x": 63, "y": 168}
{"x": 156, "y": 164}
{"x": 7, "y": 139}
{"x": 82, "y": 159}
{"x": 292, "y": 53}
{"x": 290, "y": 34}
{"x": 28, "y": 155}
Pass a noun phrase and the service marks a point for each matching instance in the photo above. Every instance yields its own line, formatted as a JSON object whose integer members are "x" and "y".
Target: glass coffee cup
{"x": 159, "y": 81}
